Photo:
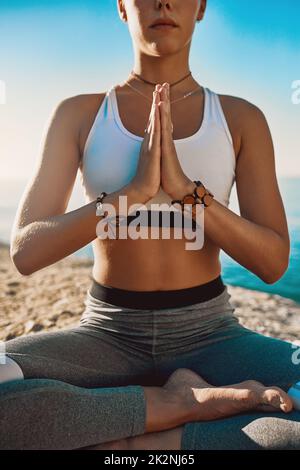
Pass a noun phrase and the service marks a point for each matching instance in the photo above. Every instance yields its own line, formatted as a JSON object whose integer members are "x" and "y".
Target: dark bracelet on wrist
{"x": 100, "y": 211}
{"x": 99, "y": 204}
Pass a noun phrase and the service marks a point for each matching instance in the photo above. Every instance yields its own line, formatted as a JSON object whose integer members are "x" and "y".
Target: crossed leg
{"x": 68, "y": 359}
{"x": 208, "y": 403}
{"x": 253, "y": 357}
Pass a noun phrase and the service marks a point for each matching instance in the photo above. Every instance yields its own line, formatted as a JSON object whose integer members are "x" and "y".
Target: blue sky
{"x": 50, "y": 50}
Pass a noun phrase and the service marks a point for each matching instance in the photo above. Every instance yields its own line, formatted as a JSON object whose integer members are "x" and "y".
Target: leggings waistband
{"x": 157, "y": 299}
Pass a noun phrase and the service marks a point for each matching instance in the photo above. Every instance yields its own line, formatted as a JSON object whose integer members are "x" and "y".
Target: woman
{"x": 158, "y": 360}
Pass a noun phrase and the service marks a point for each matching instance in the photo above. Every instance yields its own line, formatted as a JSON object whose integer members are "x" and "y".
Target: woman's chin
{"x": 164, "y": 48}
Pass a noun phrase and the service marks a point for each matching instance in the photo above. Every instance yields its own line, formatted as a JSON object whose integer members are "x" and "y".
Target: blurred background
{"x": 51, "y": 50}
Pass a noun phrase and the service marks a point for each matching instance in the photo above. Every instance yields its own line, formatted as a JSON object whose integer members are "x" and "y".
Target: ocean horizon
{"x": 232, "y": 272}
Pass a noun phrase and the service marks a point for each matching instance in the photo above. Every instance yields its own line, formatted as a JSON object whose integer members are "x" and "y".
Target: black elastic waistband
{"x": 157, "y": 299}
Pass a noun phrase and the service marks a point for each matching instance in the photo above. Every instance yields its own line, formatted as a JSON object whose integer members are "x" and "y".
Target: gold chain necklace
{"x": 171, "y": 101}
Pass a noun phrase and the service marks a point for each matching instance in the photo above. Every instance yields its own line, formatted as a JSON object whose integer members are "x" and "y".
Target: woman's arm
{"x": 42, "y": 233}
{"x": 259, "y": 238}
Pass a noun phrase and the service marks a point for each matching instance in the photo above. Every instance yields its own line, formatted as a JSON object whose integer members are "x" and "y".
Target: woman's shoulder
{"x": 81, "y": 104}
{"x": 240, "y": 113}
{"x": 81, "y": 110}
{"x": 75, "y": 109}
{"x": 240, "y": 109}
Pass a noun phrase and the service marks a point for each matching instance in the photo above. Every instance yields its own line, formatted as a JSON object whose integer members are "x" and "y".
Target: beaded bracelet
{"x": 200, "y": 194}
{"x": 100, "y": 211}
{"x": 99, "y": 204}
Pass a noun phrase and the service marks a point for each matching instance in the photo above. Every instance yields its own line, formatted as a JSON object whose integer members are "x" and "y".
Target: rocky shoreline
{"x": 53, "y": 298}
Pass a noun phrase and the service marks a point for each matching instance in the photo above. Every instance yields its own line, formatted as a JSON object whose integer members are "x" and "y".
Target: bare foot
{"x": 273, "y": 398}
{"x": 204, "y": 402}
{"x": 208, "y": 402}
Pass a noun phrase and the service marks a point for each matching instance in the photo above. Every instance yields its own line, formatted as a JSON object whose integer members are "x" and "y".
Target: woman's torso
{"x": 206, "y": 145}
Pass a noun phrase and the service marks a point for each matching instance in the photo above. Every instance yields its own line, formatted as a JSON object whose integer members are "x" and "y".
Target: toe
{"x": 286, "y": 402}
{"x": 277, "y": 398}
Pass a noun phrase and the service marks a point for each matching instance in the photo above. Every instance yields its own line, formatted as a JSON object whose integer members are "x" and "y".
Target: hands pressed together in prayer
{"x": 159, "y": 165}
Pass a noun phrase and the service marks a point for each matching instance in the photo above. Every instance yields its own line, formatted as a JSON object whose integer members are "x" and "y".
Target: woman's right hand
{"x": 147, "y": 178}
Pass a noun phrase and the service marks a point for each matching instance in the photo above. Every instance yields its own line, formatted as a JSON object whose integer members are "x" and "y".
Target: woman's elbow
{"x": 278, "y": 264}
{"x": 20, "y": 261}
{"x": 276, "y": 273}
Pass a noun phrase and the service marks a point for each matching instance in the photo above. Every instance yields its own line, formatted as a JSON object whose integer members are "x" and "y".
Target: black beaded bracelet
{"x": 99, "y": 202}
{"x": 101, "y": 212}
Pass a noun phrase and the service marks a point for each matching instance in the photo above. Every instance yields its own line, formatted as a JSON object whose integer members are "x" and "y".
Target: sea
{"x": 232, "y": 272}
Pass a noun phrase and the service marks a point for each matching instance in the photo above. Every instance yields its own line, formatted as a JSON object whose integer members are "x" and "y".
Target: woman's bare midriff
{"x": 153, "y": 264}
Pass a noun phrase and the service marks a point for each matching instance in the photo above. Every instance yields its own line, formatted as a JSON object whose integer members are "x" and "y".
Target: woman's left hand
{"x": 173, "y": 180}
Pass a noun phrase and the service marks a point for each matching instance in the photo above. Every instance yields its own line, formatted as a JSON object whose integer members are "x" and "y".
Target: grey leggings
{"x": 84, "y": 385}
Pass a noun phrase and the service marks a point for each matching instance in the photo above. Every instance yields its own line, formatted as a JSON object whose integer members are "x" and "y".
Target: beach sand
{"x": 53, "y": 298}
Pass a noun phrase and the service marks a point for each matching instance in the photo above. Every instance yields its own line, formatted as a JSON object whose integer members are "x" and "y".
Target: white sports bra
{"x": 111, "y": 152}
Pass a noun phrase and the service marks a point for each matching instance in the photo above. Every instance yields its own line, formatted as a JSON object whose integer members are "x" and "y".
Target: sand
{"x": 53, "y": 298}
